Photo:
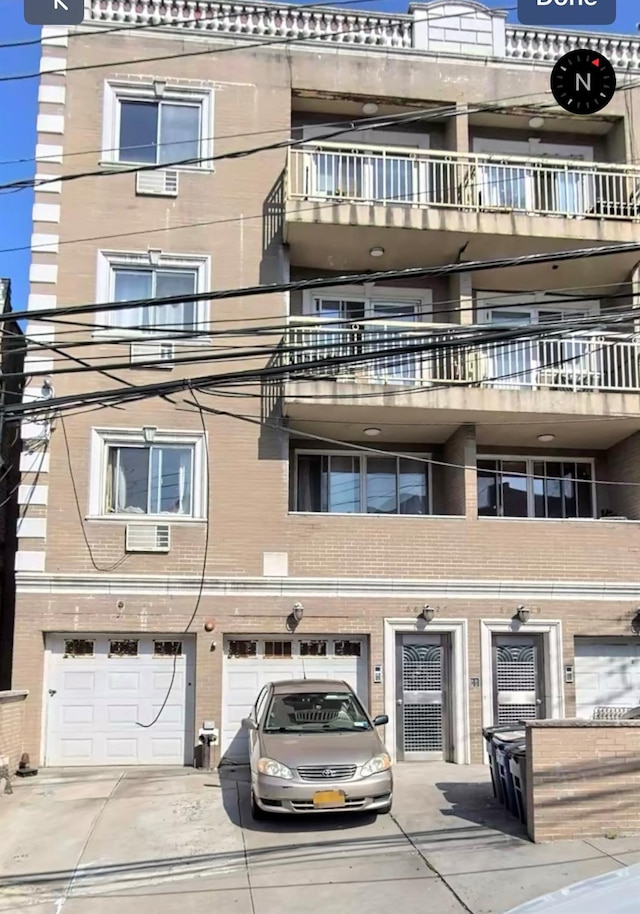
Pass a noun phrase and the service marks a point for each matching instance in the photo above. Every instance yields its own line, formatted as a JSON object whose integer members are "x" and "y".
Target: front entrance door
{"x": 518, "y": 678}
{"x": 422, "y": 697}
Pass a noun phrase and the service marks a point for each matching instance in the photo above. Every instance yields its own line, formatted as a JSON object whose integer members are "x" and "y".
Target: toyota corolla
{"x": 313, "y": 749}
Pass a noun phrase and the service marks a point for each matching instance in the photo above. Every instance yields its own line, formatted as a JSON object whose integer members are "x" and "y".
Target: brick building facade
{"x": 282, "y": 502}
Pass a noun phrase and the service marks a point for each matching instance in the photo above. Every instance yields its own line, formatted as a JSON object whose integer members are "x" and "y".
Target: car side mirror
{"x": 380, "y": 720}
{"x": 248, "y": 723}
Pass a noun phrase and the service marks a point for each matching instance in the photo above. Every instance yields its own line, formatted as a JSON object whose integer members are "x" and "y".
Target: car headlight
{"x": 375, "y": 765}
{"x": 274, "y": 769}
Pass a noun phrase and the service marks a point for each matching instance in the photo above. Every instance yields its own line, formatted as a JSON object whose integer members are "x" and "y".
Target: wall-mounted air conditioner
{"x": 161, "y": 354}
{"x": 147, "y": 538}
{"x": 159, "y": 183}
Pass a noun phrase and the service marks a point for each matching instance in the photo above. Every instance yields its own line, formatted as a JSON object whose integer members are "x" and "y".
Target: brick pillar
{"x": 623, "y": 465}
{"x": 460, "y": 481}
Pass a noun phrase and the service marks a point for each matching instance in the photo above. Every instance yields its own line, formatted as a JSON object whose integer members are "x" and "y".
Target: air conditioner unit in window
{"x": 159, "y": 183}
{"x": 147, "y": 538}
{"x": 159, "y": 353}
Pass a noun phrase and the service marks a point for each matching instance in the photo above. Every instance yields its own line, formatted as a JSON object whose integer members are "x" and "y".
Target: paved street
{"x": 135, "y": 841}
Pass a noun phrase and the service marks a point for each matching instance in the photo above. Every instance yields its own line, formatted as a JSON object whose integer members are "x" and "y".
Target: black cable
{"x": 349, "y": 279}
{"x": 203, "y": 573}
{"x": 269, "y": 372}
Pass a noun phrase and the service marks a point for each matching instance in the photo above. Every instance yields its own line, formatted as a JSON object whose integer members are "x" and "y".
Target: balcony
{"x": 437, "y": 369}
{"x": 534, "y": 204}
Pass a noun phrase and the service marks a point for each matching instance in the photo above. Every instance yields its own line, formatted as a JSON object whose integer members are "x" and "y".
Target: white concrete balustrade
{"x": 376, "y": 352}
{"x": 449, "y": 28}
{"x": 469, "y": 181}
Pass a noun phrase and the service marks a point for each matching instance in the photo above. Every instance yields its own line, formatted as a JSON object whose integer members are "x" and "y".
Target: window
{"x": 157, "y": 124}
{"x": 526, "y": 487}
{"x": 242, "y": 648}
{"x": 276, "y": 650}
{"x": 309, "y": 712}
{"x": 133, "y": 277}
{"x": 78, "y": 647}
{"x": 167, "y": 648}
{"x": 347, "y": 648}
{"x": 126, "y": 648}
{"x": 313, "y": 648}
{"x": 133, "y": 477}
{"x": 350, "y": 484}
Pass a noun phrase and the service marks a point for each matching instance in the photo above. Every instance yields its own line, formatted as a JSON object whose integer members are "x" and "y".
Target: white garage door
{"x": 119, "y": 700}
{"x": 607, "y": 676}
{"x": 250, "y": 663}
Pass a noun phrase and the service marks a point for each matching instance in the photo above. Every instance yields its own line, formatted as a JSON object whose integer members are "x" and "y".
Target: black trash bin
{"x": 489, "y": 733}
{"x": 518, "y": 768}
{"x": 503, "y": 742}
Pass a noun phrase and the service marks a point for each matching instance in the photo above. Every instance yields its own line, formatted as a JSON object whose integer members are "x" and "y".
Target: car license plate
{"x": 329, "y": 799}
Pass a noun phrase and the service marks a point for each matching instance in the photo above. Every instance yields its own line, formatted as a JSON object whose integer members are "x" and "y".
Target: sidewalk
{"x": 154, "y": 841}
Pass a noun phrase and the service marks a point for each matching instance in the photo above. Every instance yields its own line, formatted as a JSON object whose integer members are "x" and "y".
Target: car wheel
{"x": 256, "y": 812}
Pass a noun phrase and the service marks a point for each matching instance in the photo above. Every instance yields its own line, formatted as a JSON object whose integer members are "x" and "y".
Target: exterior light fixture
{"x": 372, "y": 432}
{"x": 46, "y": 391}
{"x": 297, "y": 612}
{"x": 376, "y": 252}
{"x": 546, "y": 438}
{"x": 536, "y": 122}
{"x": 523, "y": 615}
{"x": 370, "y": 108}
{"x": 428, "y": 613}
{"x": 149, "y": 433}
{"x": 635, "y": 623}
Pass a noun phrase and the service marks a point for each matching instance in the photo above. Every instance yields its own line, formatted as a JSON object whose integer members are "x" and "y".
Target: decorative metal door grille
{"x": 422, "y": 672}
{"x": 516, "y": 674}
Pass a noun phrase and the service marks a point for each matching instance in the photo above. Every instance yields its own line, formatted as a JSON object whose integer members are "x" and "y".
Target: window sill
{"x": 563, "y": 520}
{"x": 129, "y": 166}
{"x": 144, "y": 518}
{"x": 139, "y": 336}
{"x": 379, "y": 516}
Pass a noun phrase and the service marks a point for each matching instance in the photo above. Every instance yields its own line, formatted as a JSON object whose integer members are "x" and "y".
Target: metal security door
{"x": 422, "y": 671}
{"x": 518, "y": 677}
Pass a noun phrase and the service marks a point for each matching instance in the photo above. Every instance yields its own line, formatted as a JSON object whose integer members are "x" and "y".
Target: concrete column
{"x": 460, "y": 479}
{"x": 458, "y": 129}
{"x": 461, "y": 298}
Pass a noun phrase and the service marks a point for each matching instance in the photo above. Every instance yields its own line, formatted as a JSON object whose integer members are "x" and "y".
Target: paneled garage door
{"x": 251, "y": 662}
{"x": 119, "y": 700}
{"x": 607, "y": 676}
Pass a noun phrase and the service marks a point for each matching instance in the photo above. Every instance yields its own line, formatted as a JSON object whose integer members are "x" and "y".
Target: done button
{"x": 566, "y": 12}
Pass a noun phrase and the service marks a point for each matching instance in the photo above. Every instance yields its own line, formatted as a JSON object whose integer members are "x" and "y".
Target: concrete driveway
{"x": 145, "y": 841}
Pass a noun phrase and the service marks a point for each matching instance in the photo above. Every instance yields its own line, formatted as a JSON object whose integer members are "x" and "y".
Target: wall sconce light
{"x": 428, "y": 613}
{"x": 149, "y": 433}
{"x": 297, "y": 612}
{"x": 635, "y": 623}
{"x": 46, "y": 391}
{"x": 522, "y": 615}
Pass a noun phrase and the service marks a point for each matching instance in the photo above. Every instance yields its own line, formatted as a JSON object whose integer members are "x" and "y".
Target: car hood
{"x": 617, "y": 891}
{"x": 296, "y": 749}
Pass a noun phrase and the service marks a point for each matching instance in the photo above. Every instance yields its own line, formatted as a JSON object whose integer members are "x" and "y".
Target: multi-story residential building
{"x": 12, "y": 353}
{"x": 454, "y": 529}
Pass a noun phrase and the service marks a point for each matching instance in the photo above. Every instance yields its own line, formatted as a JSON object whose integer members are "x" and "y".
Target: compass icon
{"x": 583, "y": 82}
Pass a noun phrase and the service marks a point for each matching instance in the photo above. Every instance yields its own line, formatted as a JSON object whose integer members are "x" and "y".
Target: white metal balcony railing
{"x": 572, "y": 363}
{"x": 468, "y": 181}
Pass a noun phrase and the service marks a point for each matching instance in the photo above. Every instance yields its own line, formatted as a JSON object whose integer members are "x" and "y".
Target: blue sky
{"x": 18, "y": 104}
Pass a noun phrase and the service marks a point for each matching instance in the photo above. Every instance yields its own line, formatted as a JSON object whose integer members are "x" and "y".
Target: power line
{"x": 349, "y": 279}
{"x": 271, "y": 372}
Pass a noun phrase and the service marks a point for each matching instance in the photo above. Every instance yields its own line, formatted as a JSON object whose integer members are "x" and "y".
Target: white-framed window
{"x": 135, "y": 477}
{"x": 157, "y": 122}
{"x": 551, "y": 488}
{"x": 385, "y": 304}
{"x": 144, "y": 276}
{"x": 344, "y": 482}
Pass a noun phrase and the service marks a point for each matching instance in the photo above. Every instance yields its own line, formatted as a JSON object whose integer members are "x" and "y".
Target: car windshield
{"x": 315, "y": 712}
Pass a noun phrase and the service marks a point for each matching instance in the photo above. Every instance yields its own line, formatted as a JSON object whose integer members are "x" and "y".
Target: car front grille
{"x": 326, "y": 772}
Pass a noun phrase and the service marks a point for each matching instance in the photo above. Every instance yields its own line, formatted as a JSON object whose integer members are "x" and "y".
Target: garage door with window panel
{"x": 119, "y": 700}
{"x": 607, "y": 674}
{"x": 250, "y": 662}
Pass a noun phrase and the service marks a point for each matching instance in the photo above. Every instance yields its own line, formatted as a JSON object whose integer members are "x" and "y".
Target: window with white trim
{"x": 350, "y": 483}
{"x": 536, "y": 487}
{"x": 158, "y": 123}
{"x": 132, "y": 477}
{"x": 142, "y": 277}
